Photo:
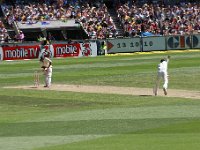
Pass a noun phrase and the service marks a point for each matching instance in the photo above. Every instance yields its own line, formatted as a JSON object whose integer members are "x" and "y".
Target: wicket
{"x": 36, "y": 79}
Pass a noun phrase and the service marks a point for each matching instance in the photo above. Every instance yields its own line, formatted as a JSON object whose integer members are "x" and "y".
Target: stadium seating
{"x": 96, "y": 19}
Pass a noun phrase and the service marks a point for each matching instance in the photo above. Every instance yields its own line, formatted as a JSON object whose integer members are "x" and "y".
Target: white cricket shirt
{"x": 46, "y": 62}
{"x": 162, "y": 67}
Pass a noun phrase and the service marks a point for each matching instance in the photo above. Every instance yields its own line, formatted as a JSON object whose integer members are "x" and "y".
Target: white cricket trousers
{"x": 164, "y": 76}
{"x": 48, "y": 76}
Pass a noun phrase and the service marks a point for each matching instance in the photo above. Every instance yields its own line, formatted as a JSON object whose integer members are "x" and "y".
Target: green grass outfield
{"x": 58, "y": 120}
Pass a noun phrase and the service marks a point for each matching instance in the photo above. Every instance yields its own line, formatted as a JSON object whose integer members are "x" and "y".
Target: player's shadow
{"x": 33, "y": 87}
{"x": 146, "y": 95}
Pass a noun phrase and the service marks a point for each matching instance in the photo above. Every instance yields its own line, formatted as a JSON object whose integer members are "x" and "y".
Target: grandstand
{"x": 83, "y": 19}
{"x": 30, "y": 18}
{"x": 59, "y": 30}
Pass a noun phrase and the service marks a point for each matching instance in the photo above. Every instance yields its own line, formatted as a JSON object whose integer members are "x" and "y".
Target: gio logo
{"x": 183, "y": 42}
{"x": 173, "y": 42}
{"x": 192, "y": 42}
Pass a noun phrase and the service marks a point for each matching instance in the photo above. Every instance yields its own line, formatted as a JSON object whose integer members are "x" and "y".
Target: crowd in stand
{"x": 160, "y": 20}
{"x": 94, "y": 16}
{"x": 3, "y": 33}
{"x": 97, "y": 22}
{"x": 5, "y": 37}
{"x": 95, "y": 19}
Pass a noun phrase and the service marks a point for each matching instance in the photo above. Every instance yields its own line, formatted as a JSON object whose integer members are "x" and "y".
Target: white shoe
{"x": 165, "y": 91}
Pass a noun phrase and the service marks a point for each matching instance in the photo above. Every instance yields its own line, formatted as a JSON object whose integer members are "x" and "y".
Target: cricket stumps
{"x": 36, "y": 79}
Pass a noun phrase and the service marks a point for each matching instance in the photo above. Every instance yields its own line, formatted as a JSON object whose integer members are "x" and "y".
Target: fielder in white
{"x": 162, "y": 74}
{"x": 47, "y": 68}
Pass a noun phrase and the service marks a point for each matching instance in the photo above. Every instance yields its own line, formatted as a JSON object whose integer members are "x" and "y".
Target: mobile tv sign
{"x": 19, "y": 52}
{"x": 75, "y": 50}
{"x": 66, "y": 50}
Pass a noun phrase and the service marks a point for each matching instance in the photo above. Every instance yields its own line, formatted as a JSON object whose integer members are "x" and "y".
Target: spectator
{"x": 95, "y": 19}
{"x": 160, "y": 20}
{"x": 50, "y": 37}
{"x": 20, "y": 36}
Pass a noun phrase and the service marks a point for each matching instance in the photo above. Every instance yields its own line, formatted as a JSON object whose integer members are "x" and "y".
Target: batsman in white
{"x": 47, "y": 68}
{"x": 162, "y": 74}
